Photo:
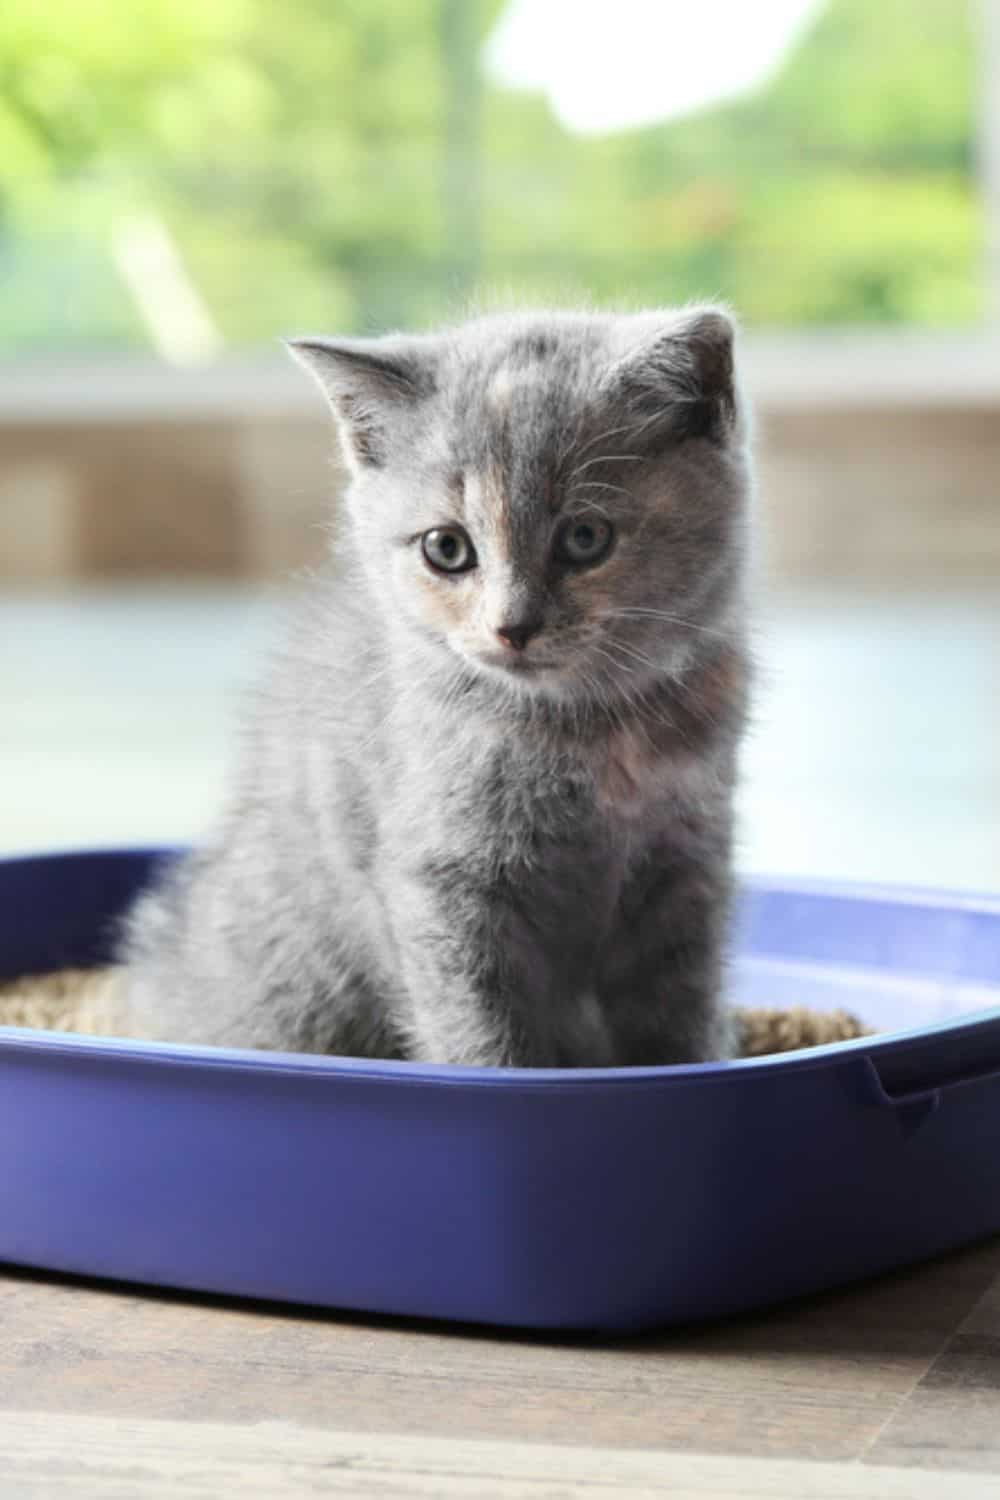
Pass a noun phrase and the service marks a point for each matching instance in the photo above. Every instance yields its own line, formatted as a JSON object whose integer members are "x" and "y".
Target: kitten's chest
{"x": 555, "y": 836}
{"x": 630, "y": 775}
{"x": 518, "y": 801}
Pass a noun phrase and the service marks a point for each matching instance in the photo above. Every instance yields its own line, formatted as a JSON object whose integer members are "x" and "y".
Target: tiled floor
{"x": 875, "y": 753}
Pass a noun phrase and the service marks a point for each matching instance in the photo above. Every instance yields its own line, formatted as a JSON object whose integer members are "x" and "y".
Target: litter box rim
{"x": 457, "y": 1076}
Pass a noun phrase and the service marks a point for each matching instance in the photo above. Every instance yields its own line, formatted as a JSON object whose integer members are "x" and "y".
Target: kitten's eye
{"x": 583, "y": 541}
{"x": 448, "y": 549}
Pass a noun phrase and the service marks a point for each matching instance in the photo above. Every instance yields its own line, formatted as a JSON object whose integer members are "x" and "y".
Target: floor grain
{"x": 129, "y": 1458}
{"x": 898, "y": 1373}
{"x": 952, "y": 1417}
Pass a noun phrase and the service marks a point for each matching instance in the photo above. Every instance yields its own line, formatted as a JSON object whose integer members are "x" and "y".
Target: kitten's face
{"x": 556, "y": 500}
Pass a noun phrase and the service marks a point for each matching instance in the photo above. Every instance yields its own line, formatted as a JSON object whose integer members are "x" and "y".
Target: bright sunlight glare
{"x": 612, "y": 64}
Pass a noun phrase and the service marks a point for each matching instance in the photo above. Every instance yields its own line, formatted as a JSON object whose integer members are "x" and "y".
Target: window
{"x": 190, "y": 176}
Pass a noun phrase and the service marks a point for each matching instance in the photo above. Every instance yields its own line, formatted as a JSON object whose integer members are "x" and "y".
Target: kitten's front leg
{"x": 662, "y": 983}
{"x": 468, "y": 971}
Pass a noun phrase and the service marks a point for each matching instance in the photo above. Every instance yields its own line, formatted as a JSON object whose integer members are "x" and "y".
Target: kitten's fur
{"x": 433, "y": 851}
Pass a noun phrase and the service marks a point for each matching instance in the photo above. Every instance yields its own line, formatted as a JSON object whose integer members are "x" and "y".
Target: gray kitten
{"x": 484, "y": 811}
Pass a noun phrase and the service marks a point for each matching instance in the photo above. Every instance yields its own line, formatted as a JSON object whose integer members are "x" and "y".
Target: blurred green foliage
{"x": 343, "y": 164}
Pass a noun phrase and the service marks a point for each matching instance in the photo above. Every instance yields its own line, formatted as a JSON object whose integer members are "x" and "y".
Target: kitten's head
{"x": 557, "y": 499}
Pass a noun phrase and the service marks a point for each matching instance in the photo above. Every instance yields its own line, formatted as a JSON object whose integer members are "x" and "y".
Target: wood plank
{"x": 952, "y": 1417}
{"x": 101, "y": 1458}
{"x": 819, "y": 1379}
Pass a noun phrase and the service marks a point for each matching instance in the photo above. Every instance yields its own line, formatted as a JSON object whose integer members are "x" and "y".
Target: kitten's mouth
{"x": 518, "y": 663}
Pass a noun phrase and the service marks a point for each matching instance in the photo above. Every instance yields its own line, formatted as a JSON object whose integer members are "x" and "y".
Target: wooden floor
{"x": 890, "y": 1389}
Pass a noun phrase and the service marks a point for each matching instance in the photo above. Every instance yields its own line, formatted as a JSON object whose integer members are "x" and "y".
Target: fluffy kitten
{"x": 484, "y": 811}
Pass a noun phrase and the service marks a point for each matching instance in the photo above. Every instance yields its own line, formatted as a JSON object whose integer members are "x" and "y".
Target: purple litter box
{"x": 613, "y": 1199}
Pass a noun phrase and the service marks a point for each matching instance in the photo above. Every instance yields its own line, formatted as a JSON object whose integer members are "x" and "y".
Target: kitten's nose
{"x": 519, "y": 632}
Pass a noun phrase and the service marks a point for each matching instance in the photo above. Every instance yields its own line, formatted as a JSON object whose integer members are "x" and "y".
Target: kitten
{"x": 484, "y": 811}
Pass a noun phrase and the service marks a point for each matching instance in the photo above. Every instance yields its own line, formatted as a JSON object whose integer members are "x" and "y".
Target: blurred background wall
{"x": 176, "y": 194}
{"x": 879, "y": 459}
{"x": 183, "y": 183}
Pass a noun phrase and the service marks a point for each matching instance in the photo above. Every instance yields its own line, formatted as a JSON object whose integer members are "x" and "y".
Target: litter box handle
{"x": 914, "y": 1081}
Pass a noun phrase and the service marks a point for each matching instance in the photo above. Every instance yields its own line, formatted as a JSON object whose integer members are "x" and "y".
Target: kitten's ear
{"x": 369, "y": 383}
{"x": 682, "y": 368}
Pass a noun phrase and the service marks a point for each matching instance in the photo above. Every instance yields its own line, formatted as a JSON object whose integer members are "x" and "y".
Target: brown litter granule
{"x": 762, "y": 1031}
{"x": 82, "y": 1000}
{"x": 91, "y": 1001}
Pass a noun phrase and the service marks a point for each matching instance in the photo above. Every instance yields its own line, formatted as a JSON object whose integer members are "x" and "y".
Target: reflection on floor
{"x": 875, "y": 753}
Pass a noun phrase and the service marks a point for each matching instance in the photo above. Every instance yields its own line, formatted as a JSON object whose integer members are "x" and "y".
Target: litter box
{"x": 607, "y": 1199}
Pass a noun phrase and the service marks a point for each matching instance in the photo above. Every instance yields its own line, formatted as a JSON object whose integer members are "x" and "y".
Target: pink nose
{"x": 519, "y": 633}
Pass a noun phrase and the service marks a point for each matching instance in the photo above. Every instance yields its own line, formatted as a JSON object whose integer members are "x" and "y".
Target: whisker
{"x": 619, "y": 666}
{"x": 639, "y": 656}
{"x": 600, "y": 484}
{"x": 607, "y": 458}
{"x": 592, "y": 505}
{"x": 661, "y": 614}
{"x": 654, "y": 416}
{"x": 641, "y": 709}
{"x": 602, "y": 437}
